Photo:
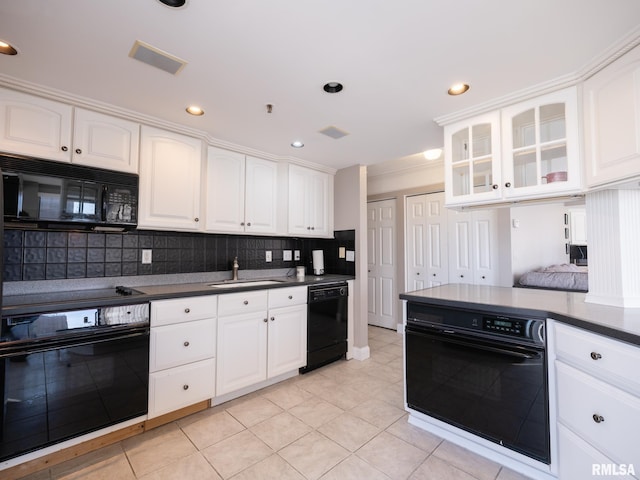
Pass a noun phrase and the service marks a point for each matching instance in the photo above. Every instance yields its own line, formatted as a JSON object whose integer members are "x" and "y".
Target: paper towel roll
{"x": 318, "y": 262}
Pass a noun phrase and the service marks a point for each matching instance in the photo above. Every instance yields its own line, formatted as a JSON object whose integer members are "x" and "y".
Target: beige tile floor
{"x": 343, "y": 421}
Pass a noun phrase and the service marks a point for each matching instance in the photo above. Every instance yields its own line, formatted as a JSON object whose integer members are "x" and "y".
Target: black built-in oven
{"x": 71, "y": 372}
{"x": 481, "y": 372}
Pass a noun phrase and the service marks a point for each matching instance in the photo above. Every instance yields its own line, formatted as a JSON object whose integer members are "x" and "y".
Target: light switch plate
{"x": 146, "y": 256}
{"x": 341, "y": 252}
{"x": 286, "y": 255}
{"x": 268, "y": 256}
{"x": 351, "y": 256}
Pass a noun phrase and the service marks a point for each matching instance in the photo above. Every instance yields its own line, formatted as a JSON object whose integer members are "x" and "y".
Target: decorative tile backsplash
{"x": 47, "y": 255}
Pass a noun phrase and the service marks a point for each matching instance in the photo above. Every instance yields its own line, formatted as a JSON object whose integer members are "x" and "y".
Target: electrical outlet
{"x": 268, "y": 256}
{"x": 146, "y": 256}
{"x": 296, "y": 255}
{"x": 342, "y": 252}
{"x": 286, "y": 255}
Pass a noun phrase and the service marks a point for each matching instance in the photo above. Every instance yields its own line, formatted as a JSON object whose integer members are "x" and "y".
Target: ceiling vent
{"x": 334, "y": 132}
{"x": 156, "y": 58}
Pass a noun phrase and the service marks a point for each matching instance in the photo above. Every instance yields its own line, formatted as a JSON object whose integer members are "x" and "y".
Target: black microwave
{"x": 45, "y": 194}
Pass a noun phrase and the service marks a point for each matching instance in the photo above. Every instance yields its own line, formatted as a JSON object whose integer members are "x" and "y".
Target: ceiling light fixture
{"x": 332, "y": 87}
{"x": 7, "y": 49}
{"x": 297, "y": 144}
{"x": 432, "y": 154}
{"x": 458, "y": 89}
{"x": 173, "y": 3}
{"x": 195, "y": 110}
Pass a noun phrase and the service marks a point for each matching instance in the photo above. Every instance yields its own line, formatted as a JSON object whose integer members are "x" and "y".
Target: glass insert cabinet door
{"x": 472, "y": 159}
{"x": 540, "y": 144}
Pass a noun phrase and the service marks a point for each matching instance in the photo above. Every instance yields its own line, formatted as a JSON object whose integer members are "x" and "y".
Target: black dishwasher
{"x": 326, "y": 324}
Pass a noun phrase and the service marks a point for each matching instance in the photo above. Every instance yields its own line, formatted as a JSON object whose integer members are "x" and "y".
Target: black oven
{"x": 483, "y": 373}
{"x": 68, "y": 373}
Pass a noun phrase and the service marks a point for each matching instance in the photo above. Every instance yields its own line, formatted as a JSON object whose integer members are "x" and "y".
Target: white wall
{"x": 539, "y": 239}
{"x": 350, "y": 213}
{"x": 386, "y": 180}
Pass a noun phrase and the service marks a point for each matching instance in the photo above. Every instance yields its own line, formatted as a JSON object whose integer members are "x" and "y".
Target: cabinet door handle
{"x": 185, "y": 387}
{"x": 508, "y": 184}
{"x": 494, "y": 186}
{"x": 187, "y": 310}
{"x": 78, "y": 151}
{"x": 598, "y": 418}
{"x": 313, "y": 228}
{"x": 273, "y": 318}
{"x": 196, "y": 219}
{"x": 64, "y": 148}
{"x": 308, "y": 228}
{"x": 265, "y": 320}
{"x": 434, "y": 274}
{"x": 461, "y": 276}
{"x": 242, "y": 224}
{"x": 596, "y": 355}
{"x": 248, "y": 224}
{"x": 246, "y": 302}
{"x": 186, "y": 344}
{"x": 290, "y": 297}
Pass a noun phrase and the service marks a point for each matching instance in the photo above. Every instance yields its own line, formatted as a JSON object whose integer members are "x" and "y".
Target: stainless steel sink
{"x": 247, "y": 283}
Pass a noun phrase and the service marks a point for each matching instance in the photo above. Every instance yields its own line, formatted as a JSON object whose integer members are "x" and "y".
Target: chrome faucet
{"x": 235, "y": 269}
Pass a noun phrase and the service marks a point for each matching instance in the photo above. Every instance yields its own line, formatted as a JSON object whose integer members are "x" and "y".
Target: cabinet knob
{"x": 418, "y": 273}
{"x": 196, "y": 219}
{"x": 186, "y": 344}
{"x": 308, "y": 228}
{"x": 483, "y": 277}
{"x": 313, "y": 228}
{"x": 78, "y": 151}
{"x": 461, "y": 276}
{"x": 242, "y": 224}
{"x": 187, "y": 310}
{"x": 248, "y": 224}
{"x": 434, "y": 274}
{"x": 596, "y": 355}
{"x": 185, "y": 387}
{"x": 273, "y": 318}
{"x": 265, "y": 320}
{"x": 598, "y": 418}
{"x": 494, "y": 186}
{"x": 246, "y": 302}
{"x": 290, "y": 297}
{"x": 508, "y": 184}
{"x": 64, "y": 148}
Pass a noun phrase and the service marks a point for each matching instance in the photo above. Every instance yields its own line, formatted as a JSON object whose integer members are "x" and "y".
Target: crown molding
{"x": 615, "y": 51}
{"x": 108, "y": 109}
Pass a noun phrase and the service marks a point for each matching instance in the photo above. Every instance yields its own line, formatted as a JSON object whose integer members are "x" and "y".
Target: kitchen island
{"x": 540, "y": 381}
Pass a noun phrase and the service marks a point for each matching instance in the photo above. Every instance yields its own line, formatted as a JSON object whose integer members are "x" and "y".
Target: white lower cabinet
{"x": 598, "y": 404}
{"x": 257, "y": 342}
{"x": 182, "y": 353}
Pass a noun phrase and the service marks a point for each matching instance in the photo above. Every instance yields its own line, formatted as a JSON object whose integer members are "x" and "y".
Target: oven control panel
{"x": 505, "y": 326}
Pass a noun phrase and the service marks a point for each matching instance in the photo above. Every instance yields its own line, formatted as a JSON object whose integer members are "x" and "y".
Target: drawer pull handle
{"x": 187, "y": 310}
{"x": 598, "y": 418}
{"x": 596, "y": 355}
{"x": 290, "y": 297}
{"x": 186, "y": 344}
{"x": 185, "y": 387}
{"x": 265, "y": 320}
{"x": 273, "y": 318}
{"x": 246, "y": 302}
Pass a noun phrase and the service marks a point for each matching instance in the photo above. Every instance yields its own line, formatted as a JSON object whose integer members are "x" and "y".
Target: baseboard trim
{"x": 361, "y": 353}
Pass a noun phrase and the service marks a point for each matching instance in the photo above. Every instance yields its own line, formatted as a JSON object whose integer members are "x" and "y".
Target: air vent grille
{"x": 334, "y": 132}
{"x": 156, "y": 58}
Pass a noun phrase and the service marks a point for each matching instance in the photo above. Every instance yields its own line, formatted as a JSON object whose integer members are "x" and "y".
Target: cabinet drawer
{"x": 242, "y": 302}
{"x": 581, "y": 397}
{"x": 284, "y": 297}
{"x": 173, "y": 345}
{"x": 180, "y": 387}
{"x": 165, "y": 312}
{"x": 614, "y": 361}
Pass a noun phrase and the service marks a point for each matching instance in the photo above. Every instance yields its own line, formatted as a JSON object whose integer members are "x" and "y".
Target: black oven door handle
{"x": 478, "y": 343}
{"x": 34, "y": 346}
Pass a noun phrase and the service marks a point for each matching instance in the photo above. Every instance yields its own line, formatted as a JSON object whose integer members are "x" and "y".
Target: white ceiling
{"x": 396, "y": 60}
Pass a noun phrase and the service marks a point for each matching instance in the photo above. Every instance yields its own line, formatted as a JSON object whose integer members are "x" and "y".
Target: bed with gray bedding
{"x": 567, "y": 277}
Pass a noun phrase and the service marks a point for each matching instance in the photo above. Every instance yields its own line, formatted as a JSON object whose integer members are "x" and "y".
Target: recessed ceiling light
{"x": 458, "y": 89}
{"x": 297, "y": 144}
{"x": 7, "y": 49}
{"x": 195, "y": 110}
{"x": 432, "y": 154}
{"x": 332, "y": 87}
{"x": 173, "y": 3}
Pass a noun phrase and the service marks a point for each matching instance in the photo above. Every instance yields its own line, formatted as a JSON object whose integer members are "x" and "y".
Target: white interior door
{"x": 382, "y": 250}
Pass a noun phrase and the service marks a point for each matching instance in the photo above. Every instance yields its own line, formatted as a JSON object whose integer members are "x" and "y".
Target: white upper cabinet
{"x": 527, "y": 150}
{"x": 39, "y": 127}
{"x": 310, "y": 202}
{"x": 612, "y": 121}
{"x": 541, "y": 146}
{"x": 105, "y": 142}
{"x": 241, "y": 193}
{"x": 35, "y": 126}
{"x": 170, "y": 169}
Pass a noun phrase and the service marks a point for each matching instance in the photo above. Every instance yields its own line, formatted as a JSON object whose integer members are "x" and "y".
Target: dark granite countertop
{"x": 36, "y": 303}
{"x": 567, "y": 307}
